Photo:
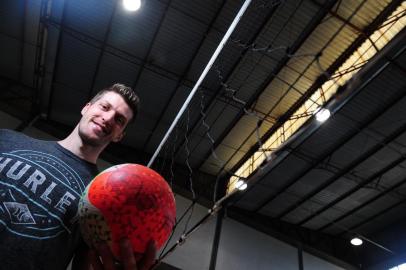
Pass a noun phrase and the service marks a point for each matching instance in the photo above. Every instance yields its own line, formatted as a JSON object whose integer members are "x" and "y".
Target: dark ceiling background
{"x": 324, "y": 185}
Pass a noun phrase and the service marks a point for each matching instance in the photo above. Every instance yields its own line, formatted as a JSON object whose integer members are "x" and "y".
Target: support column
{"x": 216, "y": 240}
{"x": 300, "y": 257}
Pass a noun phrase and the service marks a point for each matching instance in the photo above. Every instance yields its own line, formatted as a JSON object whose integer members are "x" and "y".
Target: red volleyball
{"x": 127, "y": 201}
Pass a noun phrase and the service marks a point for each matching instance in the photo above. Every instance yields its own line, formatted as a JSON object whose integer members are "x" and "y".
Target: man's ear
{"x": 85, "y": 108}
{"x": 119, "y": 137}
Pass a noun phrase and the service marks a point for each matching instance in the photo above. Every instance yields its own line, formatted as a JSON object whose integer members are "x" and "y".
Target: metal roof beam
{"x": 356, "y": 162}
{"x": 371, "y": 200}
{"x": 380, "y": 213}
{"x": 366, "y": 181}
{"x": 339, "y": 144}
{"x": 341, "y": 19}
{"x": 349, "y": 168}
{"x": 340, "y": 60}
{"x": 391, "y": 7}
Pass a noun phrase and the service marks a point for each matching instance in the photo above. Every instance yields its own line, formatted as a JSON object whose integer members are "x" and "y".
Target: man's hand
{"x": 127, "y": 257}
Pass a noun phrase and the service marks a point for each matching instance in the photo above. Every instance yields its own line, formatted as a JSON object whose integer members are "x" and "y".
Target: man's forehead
{"x": 110, "y": 94}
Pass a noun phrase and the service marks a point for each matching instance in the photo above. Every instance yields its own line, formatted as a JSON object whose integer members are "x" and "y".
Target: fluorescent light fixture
{"x": 241, "y": 185}
{"x": 322, "y": 115}
{"x": 356, "y": 241}
{"x": 132, "y": 5}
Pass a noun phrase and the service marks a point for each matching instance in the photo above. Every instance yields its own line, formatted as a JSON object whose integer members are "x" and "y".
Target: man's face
{"x": 104, "y": 120}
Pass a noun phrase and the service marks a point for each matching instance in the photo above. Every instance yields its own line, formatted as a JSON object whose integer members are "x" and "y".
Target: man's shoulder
{"x": 12, "y": 134}
{"x": 12, "y": 137}
{"x": 8, "y": 133}
{"x": 3, "y": 130}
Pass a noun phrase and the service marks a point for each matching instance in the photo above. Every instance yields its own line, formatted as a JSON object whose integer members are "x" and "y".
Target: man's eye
{"x": 120, "y": 121}
{"x": 103, "y": 106}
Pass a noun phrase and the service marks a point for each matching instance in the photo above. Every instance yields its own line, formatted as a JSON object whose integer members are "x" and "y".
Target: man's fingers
{"x": 127, "y": 255}
{"x": 106, "y": 256}
{"x": 95, "y": 261}
{"x": 149, "y": 257}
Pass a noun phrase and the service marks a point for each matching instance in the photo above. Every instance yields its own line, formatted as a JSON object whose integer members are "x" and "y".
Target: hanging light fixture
{"x": 356, "y": 241}
{"x": 322, "y": 115}
{"x": 132, "y": 5}
{"x": 241, "y": 185}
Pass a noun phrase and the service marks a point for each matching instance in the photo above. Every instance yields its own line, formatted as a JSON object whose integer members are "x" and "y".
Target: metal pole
{"x": 202, "y": 76}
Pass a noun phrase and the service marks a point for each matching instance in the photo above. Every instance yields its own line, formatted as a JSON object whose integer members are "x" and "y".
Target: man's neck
{"x": 75, "y": 144}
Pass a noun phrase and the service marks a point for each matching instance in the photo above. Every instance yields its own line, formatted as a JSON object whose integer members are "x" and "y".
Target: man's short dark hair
{"x": 124, "y": 91}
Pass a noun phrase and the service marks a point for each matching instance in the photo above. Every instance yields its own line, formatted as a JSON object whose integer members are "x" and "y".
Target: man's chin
{"x": 94, "y": 141}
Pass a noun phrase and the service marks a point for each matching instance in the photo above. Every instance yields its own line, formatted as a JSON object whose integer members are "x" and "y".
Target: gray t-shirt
{"x": 40, "y": 186}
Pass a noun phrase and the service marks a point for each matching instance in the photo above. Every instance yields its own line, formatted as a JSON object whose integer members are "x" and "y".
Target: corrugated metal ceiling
{"x": 269, "y": 65}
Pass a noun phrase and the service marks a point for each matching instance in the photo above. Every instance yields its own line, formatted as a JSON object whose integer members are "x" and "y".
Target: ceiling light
{"x": 322, "y": 115}
{"x": 241, "y": 185}
{"x": 132, "y": 5}
{"x": 356, "y": 241}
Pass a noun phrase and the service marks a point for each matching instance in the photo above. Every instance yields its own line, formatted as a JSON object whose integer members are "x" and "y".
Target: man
{"x": 41, "y": 183}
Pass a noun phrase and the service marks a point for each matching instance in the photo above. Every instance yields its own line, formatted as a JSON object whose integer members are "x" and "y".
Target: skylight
{"x": 375, "y": 42}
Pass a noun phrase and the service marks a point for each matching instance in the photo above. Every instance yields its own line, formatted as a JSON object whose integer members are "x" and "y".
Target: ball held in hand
{"x": 127, "y": 201}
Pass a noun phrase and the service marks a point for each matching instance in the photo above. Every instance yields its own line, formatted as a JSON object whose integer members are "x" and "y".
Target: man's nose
{"x": 108, "y": 116}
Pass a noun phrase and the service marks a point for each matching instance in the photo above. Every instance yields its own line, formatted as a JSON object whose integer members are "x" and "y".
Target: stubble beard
{"x": 87, "y": 140}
